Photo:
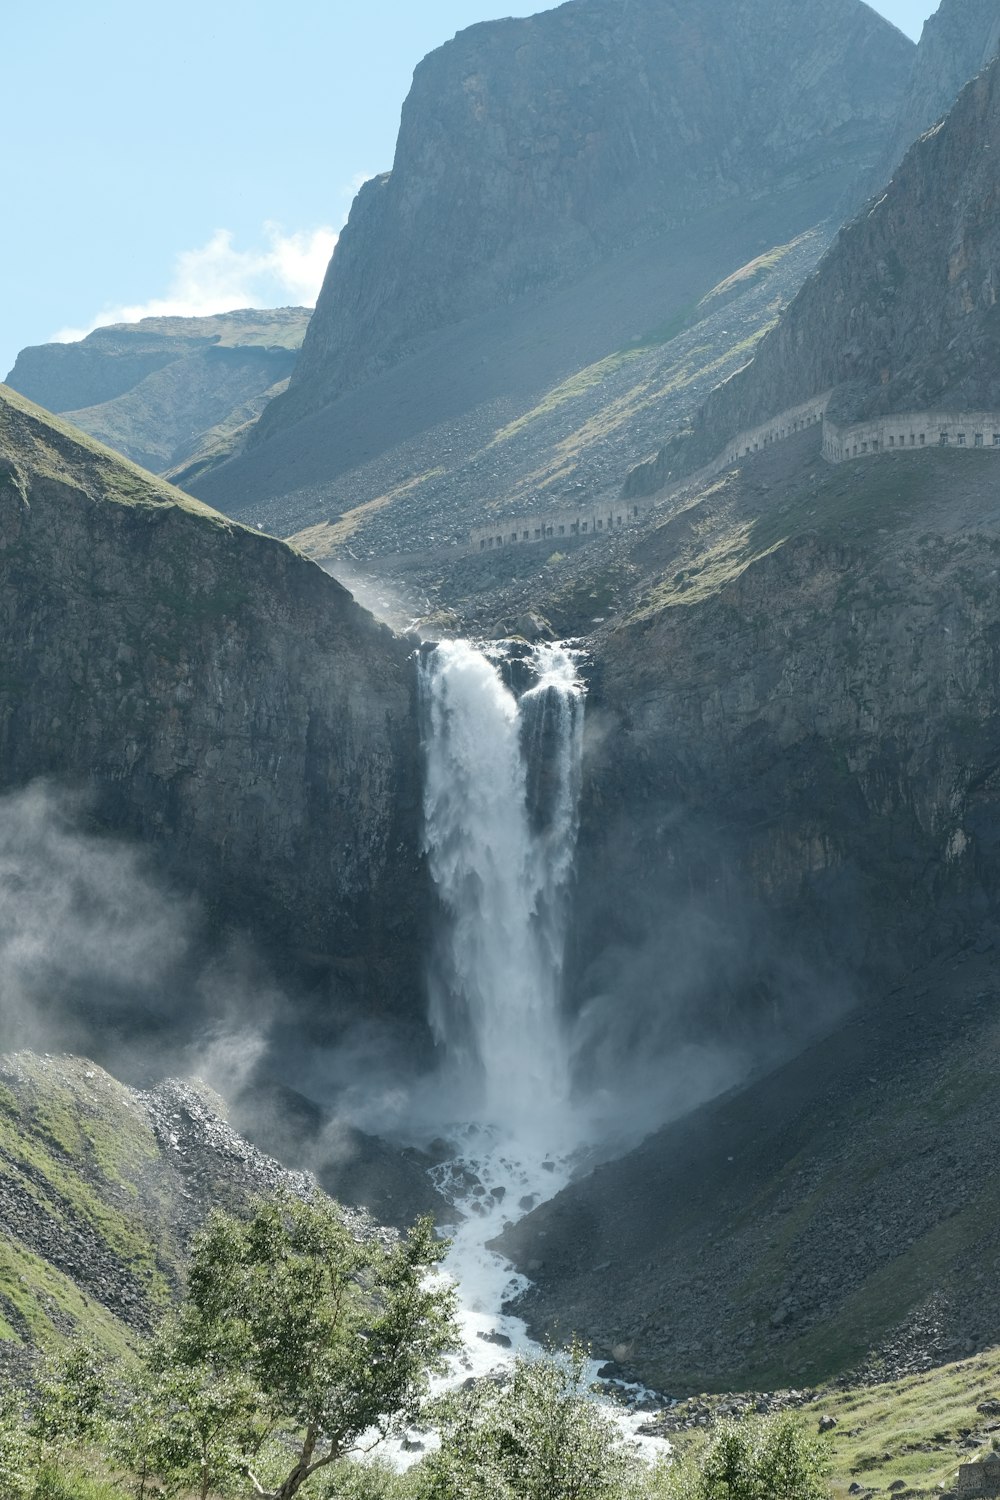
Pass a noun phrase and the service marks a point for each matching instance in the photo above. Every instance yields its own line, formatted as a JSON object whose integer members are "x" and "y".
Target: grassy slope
{"x": 35, "y": 440}
{"x": 586, "y": 423}
{"x": 911, "y": 1431}
{"x": 81, "y": 1182}
{"x": 713, "y": 533}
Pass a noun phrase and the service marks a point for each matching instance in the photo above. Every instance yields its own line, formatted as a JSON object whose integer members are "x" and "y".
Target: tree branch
{"x": 258, "y": 1487}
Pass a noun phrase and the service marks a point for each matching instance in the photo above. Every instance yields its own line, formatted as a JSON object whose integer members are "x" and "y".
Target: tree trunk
{"x": 300, "y": 1473}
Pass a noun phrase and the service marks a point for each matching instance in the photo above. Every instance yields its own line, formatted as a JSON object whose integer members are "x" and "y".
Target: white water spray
{"x": 500, "y": 806}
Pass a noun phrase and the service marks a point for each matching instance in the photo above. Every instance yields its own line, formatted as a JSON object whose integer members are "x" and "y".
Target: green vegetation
{"x": 73, "y": 1151}
{"x": 53, "y": 449}
{"x": 909, "y": 1431}
{"x": 295, "y": 1344}
{"x": 536, "y": 1437}
{"x": 756, "y": 1459}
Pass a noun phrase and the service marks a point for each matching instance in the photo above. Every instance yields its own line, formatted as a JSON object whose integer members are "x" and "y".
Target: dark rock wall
{"x": 529, "y": 149}
{"x": 791, "y": 793}
{"x": 223, "y": 699}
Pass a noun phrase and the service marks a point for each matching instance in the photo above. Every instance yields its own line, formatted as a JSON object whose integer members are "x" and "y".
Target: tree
{"x": 186, "y": 1430}
{"x": 534, "y": 1436}
{"x": 296, "y": 1345}
{"x": 758, "y": 1458}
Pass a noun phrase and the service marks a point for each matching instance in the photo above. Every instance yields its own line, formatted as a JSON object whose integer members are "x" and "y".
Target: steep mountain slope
{"x": 101, "y": 1187}
{"x": 581, "y": 131}
{"x": 221, "y": 699}
{"x": 563, "y": 185}
{"x": 957, "y": 42}
{"x": 790, "y": 813}
{"x": 570, "y": 448}
{"x": 164, "y": 389}
{"x": 902, "y": 312}
{"x": 837, "y": 1216}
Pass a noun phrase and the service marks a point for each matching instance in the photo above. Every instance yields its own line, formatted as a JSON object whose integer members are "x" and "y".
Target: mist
{"x": 100, "y": 956}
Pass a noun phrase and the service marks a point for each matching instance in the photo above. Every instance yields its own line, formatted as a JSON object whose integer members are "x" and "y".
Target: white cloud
{"x": 218, "y": 277}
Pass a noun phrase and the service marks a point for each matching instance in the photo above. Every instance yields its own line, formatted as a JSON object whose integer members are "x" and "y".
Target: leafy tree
{"x": 755, "y": 1459}
{"x": 792, "y": 1464}
{"x": 296, "y": 1346}
{"x": 535, "y": 1436}
{"x": 186, "y": 1430}
{"x": 71, "y": 1404}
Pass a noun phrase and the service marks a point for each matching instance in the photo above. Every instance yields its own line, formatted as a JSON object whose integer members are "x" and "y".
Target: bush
{"x": 755, "y": 1459}
{"x": 534, "y": 1436}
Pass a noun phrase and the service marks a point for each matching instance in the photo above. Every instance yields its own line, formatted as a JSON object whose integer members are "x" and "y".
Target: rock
{"x": 221, "y": 670}
{"x": 827, "y": 1424}
{"x": 592, "y": 180}
{"x": 848, "y": 326}
{"x": 501, "y": 1340}
{"x": 958, "y": 41}
{"x": 534, "y": 627}
{"x": 169, "y": 393}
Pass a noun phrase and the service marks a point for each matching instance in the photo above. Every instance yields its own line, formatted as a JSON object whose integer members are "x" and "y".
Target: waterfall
{"x": 500, "y": 804}
{"x": 503, "y": 735}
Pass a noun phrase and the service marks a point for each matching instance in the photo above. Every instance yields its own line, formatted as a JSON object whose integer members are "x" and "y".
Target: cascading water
{"x": 500, "y": 806}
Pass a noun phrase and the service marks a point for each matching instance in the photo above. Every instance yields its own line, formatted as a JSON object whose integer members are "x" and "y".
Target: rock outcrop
{"x": 169, "y": 393}
{"x": 902, "y": 312}
{"x": 529, "y": 149}
{"x": 222, "y": 699}
{"x": 101, "y": 1189}
{"x": 790, "y": 813}
{"x": 958, "y": 41}
{"x": 565, "y": 187}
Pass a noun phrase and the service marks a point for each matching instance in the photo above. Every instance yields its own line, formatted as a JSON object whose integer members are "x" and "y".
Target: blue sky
{"x": 203, "y": 154}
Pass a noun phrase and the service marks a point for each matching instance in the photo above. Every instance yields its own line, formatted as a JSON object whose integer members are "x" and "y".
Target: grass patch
{"x": 747, "y": 276}
{"x": 722, "y": 561}
{"x": 41, "y": 1306}
{"x": 51, "y": 448}
{"x": 72, "y": 1145}
{"x": 908, "y": 1430}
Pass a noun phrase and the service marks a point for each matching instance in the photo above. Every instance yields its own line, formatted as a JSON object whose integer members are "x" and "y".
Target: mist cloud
{"x": 99, "y": 956}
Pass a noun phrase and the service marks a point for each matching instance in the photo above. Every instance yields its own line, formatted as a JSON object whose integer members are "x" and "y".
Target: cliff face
{"x": 958, "y": 41}
{"x": 791, "y": 811}
{"x": 157, "y": 390}
{"x": 531, "y": 149}
{"x": 223, "y": 699}
{"x": 901, "y": 313}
